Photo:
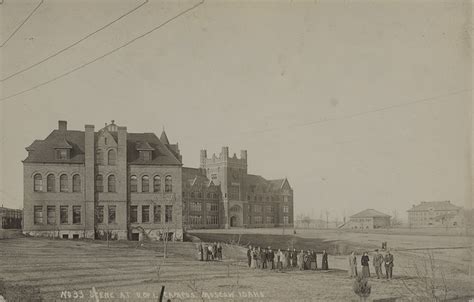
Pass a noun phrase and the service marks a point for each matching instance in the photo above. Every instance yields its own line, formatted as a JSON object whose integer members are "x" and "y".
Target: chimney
{"x": 203, "y": 158}
{"x": 62, "y": 125}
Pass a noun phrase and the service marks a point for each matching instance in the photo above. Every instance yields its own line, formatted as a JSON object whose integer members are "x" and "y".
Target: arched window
{"x": 157, "y": 183}
{"x": 145, "y": 184}
{"x": 63, "y": 185}
{"x": 38, "y": 182}
{"x": 133, "y": 183}
{"x": 50, "y": 183}
{"x": 208, "y": 195}
{"x": 76, "y": 183}
{"x": 99, "y": 157}
{"x": 168, "y": 184}
{"x": 112, "y": 156}
{"x": 99, "y": 183}
{"x": 111, "y": 183}
{"x": 192, "y": 194}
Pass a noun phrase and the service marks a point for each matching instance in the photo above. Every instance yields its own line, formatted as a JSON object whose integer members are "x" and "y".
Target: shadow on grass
{"x": 19, "y": 293}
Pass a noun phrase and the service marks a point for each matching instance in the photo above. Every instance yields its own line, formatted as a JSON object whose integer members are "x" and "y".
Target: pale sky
{"x": 255, "y": 75}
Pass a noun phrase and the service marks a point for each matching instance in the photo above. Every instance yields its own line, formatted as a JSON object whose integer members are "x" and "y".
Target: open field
{"x": 66, "y": 270}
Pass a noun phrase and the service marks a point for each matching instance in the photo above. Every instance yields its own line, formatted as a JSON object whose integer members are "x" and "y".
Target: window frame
{"x": 38, "y": 182}
{"x": 63, "y": 183}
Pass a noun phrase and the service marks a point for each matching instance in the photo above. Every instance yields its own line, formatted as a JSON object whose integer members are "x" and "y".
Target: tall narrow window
{"x": 111, "y": 183}
{"x": 99, "y": 157}
{"x": 50, "y": 183}
{"x": 38, "y": 214}
{"x": 99, "y": 183}
{"x": 64, "y": 214}
{"x": 145, "y": 184}
{"x": 133, "y": 183}
{"x": 157, "y": 213}
{"x": 133, "y": 214}
{"x": 76, "y": 214}
{"x": 145, "y": 213}
{"x": 157, "y": 183}
{"x": 63, "y": 185}
{"x": 112, "y": 156}
{"x": 112, "y": 214}
{"x": 168, "y": 184}
{"x": 38, "y": 183}
{"x": 51, "y": 214}
{"x": 76, "y": 183}
{"x": 99, "y": 214}
{"x": 168, "y": 213}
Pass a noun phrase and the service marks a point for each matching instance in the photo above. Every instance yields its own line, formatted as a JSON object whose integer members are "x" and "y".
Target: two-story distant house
{"x": 434, "y": 213}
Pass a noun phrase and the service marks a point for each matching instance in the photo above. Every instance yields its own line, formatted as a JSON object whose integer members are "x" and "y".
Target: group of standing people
{"x": 209, "y": 251}
{"x": 267, "y": 258}
{"x": 379, "y": 260}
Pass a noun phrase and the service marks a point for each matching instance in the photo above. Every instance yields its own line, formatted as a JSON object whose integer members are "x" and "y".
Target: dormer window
{"x": 145, "y": 155}
{"x": 62, "y": 154}
{"x": 144, "y": 151}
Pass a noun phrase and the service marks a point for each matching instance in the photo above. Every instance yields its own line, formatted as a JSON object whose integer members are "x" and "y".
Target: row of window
{"x": 99, "y": 214}
{"x": 197, "y": 207}
{"x": 51, "y": 215}
{"x": 157, "y": 213}
{"x": 268, "y": 209}
{"x": 51, "y": 183}
{"x": 145, "y": 184}
{"x": 200, "y": 195}
{"x": 197, "y": 219}
{"x": 99, "y": 183}
{"x": 267, "y": 198}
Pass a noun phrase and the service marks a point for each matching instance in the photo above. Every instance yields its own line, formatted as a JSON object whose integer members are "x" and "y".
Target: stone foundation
{"x": 61, "y": 234}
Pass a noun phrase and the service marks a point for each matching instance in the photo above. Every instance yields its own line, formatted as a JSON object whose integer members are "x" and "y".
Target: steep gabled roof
{"x": 435, "y": 206}
{"x": 194, "y": 177}
{"x": 43, "y": 151}
{"x": 161, "y": 155}
{"x": 263, "y": 184}
{"x": 369, "y": 213}
{"x": 35, "y": 145}
{"x": 164, "y": 138}
{"x": 144, "y": 146}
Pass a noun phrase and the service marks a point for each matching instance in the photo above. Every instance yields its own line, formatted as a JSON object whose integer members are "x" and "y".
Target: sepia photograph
{"x": 236, "y": 150}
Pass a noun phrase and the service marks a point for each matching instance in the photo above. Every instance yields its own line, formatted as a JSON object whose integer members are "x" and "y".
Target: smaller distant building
{"x": 368, "y": 219}
{"x": 10, "y": 218}
{"x": 310, "y": 223}
{"x": 435, "y": 213}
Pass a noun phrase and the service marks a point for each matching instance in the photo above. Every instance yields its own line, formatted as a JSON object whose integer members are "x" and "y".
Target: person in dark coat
{"x": 263, "y": 257}
{"x": 364, "y": 260}
{"x": 206, "y": 252}
{"x": 271, "y": 257}
{"x": 219, "y": 251}
{"x": 294, "y": 258}
{"x": 200, "y": 251}
{"x": 249, "y": 255}
{"x": 324, "y": 262}
{"x": 314, "y": 262}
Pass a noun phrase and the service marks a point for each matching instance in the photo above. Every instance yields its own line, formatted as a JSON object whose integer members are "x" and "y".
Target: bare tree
{"x": 395, "y": 221}
{"x": 430, "y": 283}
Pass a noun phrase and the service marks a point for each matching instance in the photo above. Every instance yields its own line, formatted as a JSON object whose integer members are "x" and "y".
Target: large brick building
{"x": 434, "y": 213}
{"x": 128, "y": 185}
